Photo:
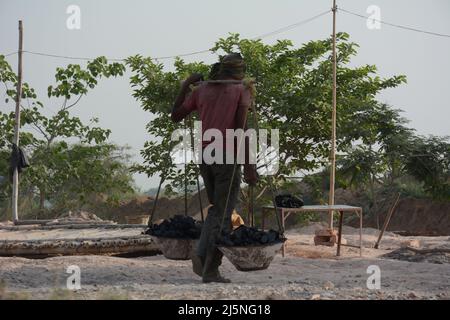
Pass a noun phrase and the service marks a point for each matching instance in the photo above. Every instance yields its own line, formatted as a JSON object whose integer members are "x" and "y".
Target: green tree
{"x": 71, "y": 160}
{"x": 293, "y": 94}
{"x": 156, "y": 90}
{"x": 428, "y": 160}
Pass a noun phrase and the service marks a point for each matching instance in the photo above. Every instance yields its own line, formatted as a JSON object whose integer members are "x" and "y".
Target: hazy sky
{"x": 119, "y": 29}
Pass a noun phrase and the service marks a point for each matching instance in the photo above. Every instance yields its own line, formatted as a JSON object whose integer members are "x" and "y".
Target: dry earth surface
{"x": 307, "y": 272}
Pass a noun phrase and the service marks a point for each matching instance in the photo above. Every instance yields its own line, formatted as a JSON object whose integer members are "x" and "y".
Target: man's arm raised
{"x": 178, "y": 112}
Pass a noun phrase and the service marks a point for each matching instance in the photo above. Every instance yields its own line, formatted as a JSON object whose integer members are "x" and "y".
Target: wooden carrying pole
{"x": 191, "y": 131}
{"x": 333, "y": 122}
{"x": 15, "y": 191}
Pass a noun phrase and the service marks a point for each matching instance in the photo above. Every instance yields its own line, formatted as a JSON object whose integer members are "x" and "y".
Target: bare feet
{"x": 216, "y": 278}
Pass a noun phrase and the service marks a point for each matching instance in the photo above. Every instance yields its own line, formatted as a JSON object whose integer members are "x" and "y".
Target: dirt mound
{"x": 78, "y": 216}
{"x": 165, "y": 208}
{"x": 408, "y": 254}
{"x": 416, "y": 217}
{"x": 7, "y": 223}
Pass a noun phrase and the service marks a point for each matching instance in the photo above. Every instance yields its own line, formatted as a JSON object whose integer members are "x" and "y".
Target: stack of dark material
{"x": 248, "y": 236}
{"x": 288, "y": 201}
{"x": 181, "y": 227}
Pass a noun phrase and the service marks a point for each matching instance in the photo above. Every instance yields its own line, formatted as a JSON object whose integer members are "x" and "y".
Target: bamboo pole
{"x": 152, "y": 213}
{"x": 15, "y": 191}
{"x": 386, "y": 222}
{"x": 333, "y": 122}
{"x": 191, "y": 130}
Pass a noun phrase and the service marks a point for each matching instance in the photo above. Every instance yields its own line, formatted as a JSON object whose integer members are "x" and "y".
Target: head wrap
{"x": 232, "y": 65}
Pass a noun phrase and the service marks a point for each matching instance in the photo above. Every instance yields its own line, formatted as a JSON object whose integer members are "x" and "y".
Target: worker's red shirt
{"x": 217, "y": 105}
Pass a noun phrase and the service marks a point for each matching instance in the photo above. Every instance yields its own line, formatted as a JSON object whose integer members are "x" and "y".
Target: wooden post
{"x": 386, "y": 222}
{"x": 341, "y": 220}
{"x": 15, "y": 191}
{"x": 333, "y": 122}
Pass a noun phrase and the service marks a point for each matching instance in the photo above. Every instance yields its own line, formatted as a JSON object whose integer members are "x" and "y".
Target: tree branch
{"x": 70, "y": 106}
{"x": 35, "y": 125}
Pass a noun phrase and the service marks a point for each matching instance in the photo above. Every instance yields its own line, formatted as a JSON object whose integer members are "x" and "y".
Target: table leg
{"x": 341, "y": 219}
{"x": 283, "y": 250}
{"x": 360, "y": 232}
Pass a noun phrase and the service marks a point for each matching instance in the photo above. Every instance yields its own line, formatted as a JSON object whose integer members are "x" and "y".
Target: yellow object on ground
{"x": 236, "y": 220}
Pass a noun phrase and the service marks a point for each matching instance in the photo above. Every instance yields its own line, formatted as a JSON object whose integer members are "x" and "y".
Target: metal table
{"x": 285, "y": 212}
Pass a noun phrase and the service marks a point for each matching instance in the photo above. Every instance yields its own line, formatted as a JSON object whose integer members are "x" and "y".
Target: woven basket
{"x": 176, "y": 249}
{"x": 251, "y": 258}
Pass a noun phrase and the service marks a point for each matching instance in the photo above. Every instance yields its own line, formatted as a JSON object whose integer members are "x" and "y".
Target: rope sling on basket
{"x": 249, "y": 256}
{"x": 177, "y": 236}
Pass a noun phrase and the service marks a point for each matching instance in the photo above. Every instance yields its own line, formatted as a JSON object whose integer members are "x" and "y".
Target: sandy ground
{"x": 307, "y": 272}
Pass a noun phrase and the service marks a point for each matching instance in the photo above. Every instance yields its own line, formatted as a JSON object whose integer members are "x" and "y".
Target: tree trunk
{"x": 374, "y": 201}
{"x": 41, "y": 203}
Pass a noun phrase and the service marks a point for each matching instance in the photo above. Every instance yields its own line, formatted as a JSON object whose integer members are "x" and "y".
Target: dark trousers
{"x": 217, "y": 179}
